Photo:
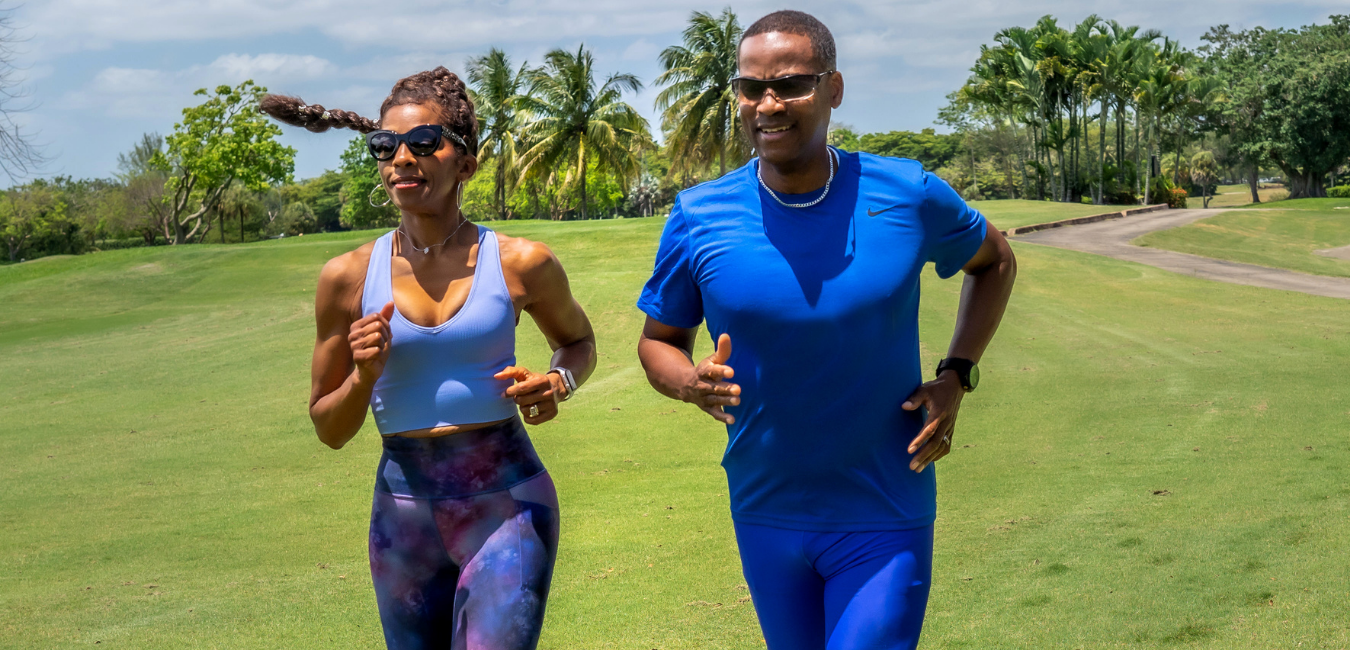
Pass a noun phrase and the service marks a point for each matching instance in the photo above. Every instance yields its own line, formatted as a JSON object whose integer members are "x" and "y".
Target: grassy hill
{"x": 1284, "y": 235}
{"x": 1150, "y": 460}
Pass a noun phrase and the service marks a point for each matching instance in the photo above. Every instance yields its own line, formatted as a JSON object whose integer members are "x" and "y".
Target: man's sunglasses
{"x": 421, "y": 140}
{"x": 792, "y": 88}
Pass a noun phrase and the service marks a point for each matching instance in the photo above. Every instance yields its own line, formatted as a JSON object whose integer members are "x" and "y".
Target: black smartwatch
{"x": 967, "y": 371}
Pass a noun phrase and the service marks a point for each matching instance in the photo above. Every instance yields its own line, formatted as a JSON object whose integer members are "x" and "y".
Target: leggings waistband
{"x": 460, "y": 464}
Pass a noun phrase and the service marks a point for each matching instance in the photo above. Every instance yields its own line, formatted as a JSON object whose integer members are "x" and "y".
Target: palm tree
{"x": 699, "y": 113}
{"x": 496, "y": 86}
{"x": 573, "y": 123}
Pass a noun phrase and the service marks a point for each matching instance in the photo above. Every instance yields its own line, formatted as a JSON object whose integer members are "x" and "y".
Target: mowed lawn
{"x": 1284, "y": 235}
{"x": 1228, "y": 196}
{"x": 1015, "y": 213}
{"x": 1151, "y": 460}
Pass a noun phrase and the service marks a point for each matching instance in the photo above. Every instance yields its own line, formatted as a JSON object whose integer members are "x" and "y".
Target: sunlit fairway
{"x": 1017, "y": 212}
{"x": 1151, "y": 460}
{"x": 1284, "y": 234}
{"x": 1228, "y": 196}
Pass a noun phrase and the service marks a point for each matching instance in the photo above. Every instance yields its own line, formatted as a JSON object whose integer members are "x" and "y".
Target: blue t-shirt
{"x": 822, "y": 307}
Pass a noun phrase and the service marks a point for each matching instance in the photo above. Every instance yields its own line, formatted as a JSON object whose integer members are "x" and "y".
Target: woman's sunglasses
{"x": 792, "y": 88}
{"x": 421, "y": 140}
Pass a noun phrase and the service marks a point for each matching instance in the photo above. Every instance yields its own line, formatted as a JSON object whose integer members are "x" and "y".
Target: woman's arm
{"x": 542, "y": 290}
{"x": 349, "y": 354}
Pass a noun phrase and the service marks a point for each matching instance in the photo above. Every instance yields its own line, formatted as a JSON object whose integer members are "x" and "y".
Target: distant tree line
{"x": 1100, "y": 112}
{"x": 1115, "y": 113}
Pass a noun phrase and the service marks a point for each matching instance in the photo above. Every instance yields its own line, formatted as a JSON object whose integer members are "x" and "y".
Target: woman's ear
{"x": 468, "y": 168}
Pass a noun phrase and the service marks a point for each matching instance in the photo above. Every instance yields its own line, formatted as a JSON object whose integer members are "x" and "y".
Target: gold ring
{"x": 534, "y": 410}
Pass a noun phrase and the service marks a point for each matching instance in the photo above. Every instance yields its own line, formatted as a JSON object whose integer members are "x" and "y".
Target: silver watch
{"x": 568, "y": 381}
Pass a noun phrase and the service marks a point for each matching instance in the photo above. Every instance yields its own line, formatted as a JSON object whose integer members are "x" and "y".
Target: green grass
{"x": 1013, "y": 213}
{"x": 1284, "y": 237}
{"x": 1151, "y": 460}
{"x": 1228, "y": 196}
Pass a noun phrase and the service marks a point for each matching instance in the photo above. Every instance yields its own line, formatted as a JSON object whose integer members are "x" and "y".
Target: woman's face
{"x": 423, "y": 185}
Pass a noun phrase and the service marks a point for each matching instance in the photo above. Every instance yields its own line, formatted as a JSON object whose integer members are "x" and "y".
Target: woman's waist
{"x": 469, "y": 462}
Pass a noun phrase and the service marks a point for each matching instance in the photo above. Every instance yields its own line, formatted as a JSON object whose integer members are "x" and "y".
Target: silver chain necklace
{"x": 424, "y": 251}
{"x": 759, "y": 171}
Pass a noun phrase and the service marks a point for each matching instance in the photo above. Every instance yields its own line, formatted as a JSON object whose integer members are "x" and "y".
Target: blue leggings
{"x": 838, "y": 591}
{"x": 463, "y": 536}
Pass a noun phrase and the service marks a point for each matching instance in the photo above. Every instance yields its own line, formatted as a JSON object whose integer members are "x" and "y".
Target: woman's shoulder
{"x": 343, "y": 278}
{"x": 524, "y": 256}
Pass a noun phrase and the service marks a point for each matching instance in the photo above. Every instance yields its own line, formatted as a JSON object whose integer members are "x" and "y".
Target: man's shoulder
{"x": 720, "y": 190}
{"x": 903, "y": 172}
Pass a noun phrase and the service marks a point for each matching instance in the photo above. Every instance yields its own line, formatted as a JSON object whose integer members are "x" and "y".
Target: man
{"x": 807, "y": 259}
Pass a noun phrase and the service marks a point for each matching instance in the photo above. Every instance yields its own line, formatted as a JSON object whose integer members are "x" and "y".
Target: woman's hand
{"x": 709, "y": 389}
{"x": 369, "y": 339}
{"x": 537, "y": 395}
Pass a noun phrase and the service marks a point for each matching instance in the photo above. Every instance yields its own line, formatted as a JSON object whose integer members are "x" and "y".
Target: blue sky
{"x": 99, "y": 73}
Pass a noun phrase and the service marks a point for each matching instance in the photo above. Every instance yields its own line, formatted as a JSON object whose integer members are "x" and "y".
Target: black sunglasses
{"x": 792, "y": 88}
{"x": 421, "y": 140}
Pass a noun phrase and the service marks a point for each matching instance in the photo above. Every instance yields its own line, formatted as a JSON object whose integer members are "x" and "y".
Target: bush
{"x": 118, "y": 244}
{"x": 1339, "y": 192}
{"x": 1177, "y": 198}
{"x": 1121, "y": 197}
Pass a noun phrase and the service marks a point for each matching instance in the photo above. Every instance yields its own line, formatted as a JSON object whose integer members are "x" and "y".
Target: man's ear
{"x": 838, "y": 90}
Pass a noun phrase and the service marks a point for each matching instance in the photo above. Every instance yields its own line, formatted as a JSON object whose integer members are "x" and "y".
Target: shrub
{"x": 1121, "y": 197}
{"x": 1177, "y": 198}
{"x": 1339, "y": 192}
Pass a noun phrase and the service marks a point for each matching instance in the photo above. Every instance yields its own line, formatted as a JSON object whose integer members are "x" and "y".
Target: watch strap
{"x": 961, "y": 367}
{"x": 568, "y": 381}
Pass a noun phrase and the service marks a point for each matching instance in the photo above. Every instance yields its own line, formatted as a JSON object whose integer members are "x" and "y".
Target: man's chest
{"x": 808, "y": 269}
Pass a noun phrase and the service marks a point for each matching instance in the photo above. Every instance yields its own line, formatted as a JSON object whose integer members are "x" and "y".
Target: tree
{"x": 1205, "y": 174}
{"x": 18, "y": 157}
{"x": 699, "y": 108}
{"x": 361, "y": 175}
{"x": 223, "y": 141}
{"x": 574, "y": 123}
{"x": 26, "y": 212}
{"x": 1287, "y": 92}
{"x": 496, "y": 86}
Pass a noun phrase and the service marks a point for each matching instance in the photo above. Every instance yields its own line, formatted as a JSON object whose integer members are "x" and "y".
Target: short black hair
{"x": 801, "y": 23}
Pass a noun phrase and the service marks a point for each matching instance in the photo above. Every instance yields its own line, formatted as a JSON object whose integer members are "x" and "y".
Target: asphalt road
{"x": 1112, "y": 239}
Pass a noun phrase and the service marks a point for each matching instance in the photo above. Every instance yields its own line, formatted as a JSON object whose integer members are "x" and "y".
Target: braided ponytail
{"x": 440, "y": 88}
{"x": 294, "y": 111}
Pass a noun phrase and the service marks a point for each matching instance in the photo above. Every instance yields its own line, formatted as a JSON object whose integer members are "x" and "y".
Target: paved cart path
{"x": 1112, "y": 239}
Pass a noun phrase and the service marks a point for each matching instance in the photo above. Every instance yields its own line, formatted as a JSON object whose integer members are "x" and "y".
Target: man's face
{"x": 783, "y": 132}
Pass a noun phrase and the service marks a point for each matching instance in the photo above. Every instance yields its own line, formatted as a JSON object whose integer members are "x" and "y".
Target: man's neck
{"x": 805, "y": 174}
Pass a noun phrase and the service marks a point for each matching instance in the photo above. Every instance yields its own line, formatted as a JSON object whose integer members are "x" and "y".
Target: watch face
{"x": 974, "y": 376}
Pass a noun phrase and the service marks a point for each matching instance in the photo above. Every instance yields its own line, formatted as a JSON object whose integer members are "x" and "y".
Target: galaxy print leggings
{"x": 463, "y": 536}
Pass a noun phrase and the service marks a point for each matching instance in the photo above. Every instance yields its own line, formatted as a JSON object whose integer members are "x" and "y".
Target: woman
{"x": 420, "y": 326}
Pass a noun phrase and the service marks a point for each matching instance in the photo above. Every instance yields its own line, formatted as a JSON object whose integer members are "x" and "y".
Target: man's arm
{"x": 984, "y": 297}
{"x": 667, "y": 354}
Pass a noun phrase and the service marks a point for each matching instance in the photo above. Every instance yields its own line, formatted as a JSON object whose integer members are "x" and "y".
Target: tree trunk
{"x": 1101, "y": 156}
{"x": 1254, "y": 183}
{"x": 222, "y": 225}
{"x": 500, "y": 190}
{"x": 1304, "y": 185}
{"x": 583, "y": 183}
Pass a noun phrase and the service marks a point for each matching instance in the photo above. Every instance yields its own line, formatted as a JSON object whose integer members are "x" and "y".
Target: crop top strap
{"x": 378, "y": 286}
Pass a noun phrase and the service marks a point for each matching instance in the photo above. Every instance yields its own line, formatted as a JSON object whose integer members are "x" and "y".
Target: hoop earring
{"x": 459, "y": 199}
{"x": 371, "y": 197}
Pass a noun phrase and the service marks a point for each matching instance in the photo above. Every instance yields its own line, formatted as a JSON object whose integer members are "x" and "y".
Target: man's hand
{"x": 369, "y": 339}
{"x": 533, "y": 390}
{"x": 709, "y": 389}
{"x": 942, "y": 397}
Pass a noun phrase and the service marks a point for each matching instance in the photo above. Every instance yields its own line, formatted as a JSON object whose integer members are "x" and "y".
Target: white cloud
{"x": 139, "y": 92}
{"x": 272, "y": 67}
